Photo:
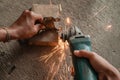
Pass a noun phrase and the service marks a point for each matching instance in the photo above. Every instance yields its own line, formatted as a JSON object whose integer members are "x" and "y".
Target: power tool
{"x": 78, "y": 41}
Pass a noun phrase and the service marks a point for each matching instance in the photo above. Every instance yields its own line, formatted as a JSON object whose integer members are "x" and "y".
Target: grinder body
{"x": 82, "y": 66}
{"x": 78, "y": 41}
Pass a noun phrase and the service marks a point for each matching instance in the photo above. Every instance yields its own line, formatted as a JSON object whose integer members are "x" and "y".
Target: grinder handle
{"x": 82, "y": 66}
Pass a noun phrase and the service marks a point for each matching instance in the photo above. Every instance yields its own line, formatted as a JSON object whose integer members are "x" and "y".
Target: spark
{"x": 59, "y": 55}
{"x": 61, "y": 78}
{"x": 52, "y": 67}
{"x": 51, "y": 2}
{"x": 108, "y": 28}
{"x": 67, "y": 43}
{"x": 59, "y": 48}
{"x": 61, "y": 43}
{"x": 60, "y": 7}
{"x": 68, "y": 21}
{"x": 72, "y": 71}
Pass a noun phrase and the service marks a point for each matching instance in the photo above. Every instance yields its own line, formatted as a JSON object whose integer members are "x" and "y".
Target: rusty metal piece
{"x": 48, "y": 22}
{"x": 48, "y": 36}
{"x": 45, "y": 38}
